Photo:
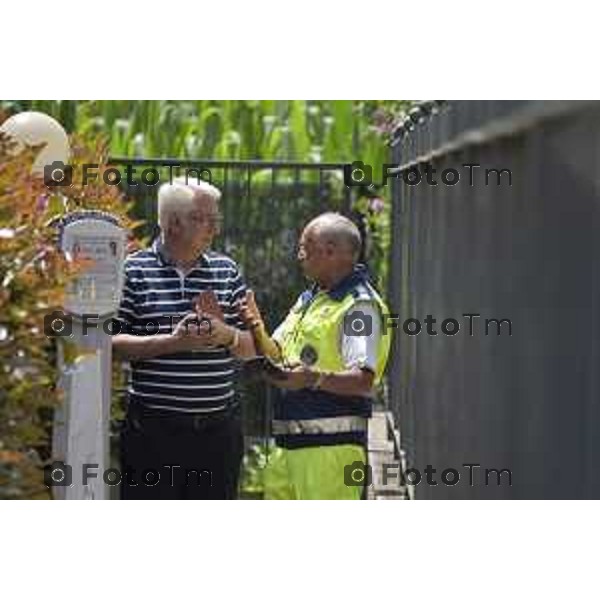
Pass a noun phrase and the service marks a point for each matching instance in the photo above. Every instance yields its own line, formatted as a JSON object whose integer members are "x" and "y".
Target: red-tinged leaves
{"x": 33, "y": 278}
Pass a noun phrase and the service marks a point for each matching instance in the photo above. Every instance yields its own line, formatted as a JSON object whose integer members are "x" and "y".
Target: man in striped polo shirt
{"x": 182, "y": 438}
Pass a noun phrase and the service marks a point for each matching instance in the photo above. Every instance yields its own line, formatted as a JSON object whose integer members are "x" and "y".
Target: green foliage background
{"x": 311, "y": 130}
{"x": 293, "y": 130}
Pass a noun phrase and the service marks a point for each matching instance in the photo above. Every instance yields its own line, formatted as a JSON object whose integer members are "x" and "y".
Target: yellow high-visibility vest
{"x": 311, "y": 334}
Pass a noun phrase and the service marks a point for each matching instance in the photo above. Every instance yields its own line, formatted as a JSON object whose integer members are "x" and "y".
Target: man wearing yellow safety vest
{"x": 334, "y": 353}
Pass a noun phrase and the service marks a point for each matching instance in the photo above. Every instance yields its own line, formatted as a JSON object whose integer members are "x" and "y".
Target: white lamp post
{"x": 35, "y": 129}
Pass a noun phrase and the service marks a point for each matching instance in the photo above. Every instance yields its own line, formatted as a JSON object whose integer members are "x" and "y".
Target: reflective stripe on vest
{"x": 317, "y": 426}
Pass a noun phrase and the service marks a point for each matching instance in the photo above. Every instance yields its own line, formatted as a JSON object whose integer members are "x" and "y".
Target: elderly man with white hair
{"x": 181, "y": 332}
{"x": 333, "y": 351}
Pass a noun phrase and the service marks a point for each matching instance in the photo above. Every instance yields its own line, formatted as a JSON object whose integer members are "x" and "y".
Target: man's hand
{"x": 194, "y": 332}
{"x": 209, "y": 311}
{"x": 249, "y": 311}
{"x": 250, "y": 315}
{"x": 297, "y": 378}
{"x": 206, "y": 303}
{"x": 221, "y": 334}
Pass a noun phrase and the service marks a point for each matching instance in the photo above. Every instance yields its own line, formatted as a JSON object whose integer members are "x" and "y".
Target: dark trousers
{"x": 177, "y": 456}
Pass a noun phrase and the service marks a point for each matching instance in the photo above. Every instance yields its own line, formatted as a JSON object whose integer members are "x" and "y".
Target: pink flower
{"x": 42, "y": 203}
{"x": 376, "y": 205}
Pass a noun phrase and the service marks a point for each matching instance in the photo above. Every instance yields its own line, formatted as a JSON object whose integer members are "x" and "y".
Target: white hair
{"x": 178, "y": 197}
{"x": 339, "y": 230}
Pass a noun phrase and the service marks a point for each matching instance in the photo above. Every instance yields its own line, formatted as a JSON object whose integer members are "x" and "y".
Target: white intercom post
{"x": 81, "y": 431}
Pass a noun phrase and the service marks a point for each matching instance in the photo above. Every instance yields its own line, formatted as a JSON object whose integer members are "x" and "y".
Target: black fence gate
{"x": 528, "y": 252}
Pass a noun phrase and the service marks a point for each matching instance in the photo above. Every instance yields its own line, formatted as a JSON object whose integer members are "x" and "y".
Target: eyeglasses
{"x": 213, "y": 220}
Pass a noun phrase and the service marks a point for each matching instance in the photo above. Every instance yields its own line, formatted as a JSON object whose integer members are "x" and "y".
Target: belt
{"x": 158, "y": 416}
{"x": 317, "y": 426}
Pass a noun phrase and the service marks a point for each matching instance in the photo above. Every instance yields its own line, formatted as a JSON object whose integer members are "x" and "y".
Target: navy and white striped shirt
{"x": 156, "y": 296}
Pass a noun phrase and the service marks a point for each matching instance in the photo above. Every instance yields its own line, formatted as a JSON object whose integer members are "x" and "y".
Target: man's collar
{"x": 358, "y": 275}
{"x": 338, "y": 292}
{"x": 160, "y": 250}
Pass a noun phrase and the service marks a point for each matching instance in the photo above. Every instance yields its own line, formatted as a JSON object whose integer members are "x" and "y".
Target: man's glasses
{"x": 213, "y": 220}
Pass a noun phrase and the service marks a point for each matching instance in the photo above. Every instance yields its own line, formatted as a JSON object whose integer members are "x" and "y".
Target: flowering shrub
{"x": 33, "y": 277}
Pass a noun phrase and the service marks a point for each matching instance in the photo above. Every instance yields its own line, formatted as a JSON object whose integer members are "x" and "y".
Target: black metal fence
{"x": 528, "y": 252}
{"x": 264, "y": 206}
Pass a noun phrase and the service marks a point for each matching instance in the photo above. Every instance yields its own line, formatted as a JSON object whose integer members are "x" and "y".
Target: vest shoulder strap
{"x": 301, "y": 301}
{"x": 364, "y": 291}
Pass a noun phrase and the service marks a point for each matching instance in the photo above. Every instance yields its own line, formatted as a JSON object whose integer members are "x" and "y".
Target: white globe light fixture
{"x": 35, "y": 129}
